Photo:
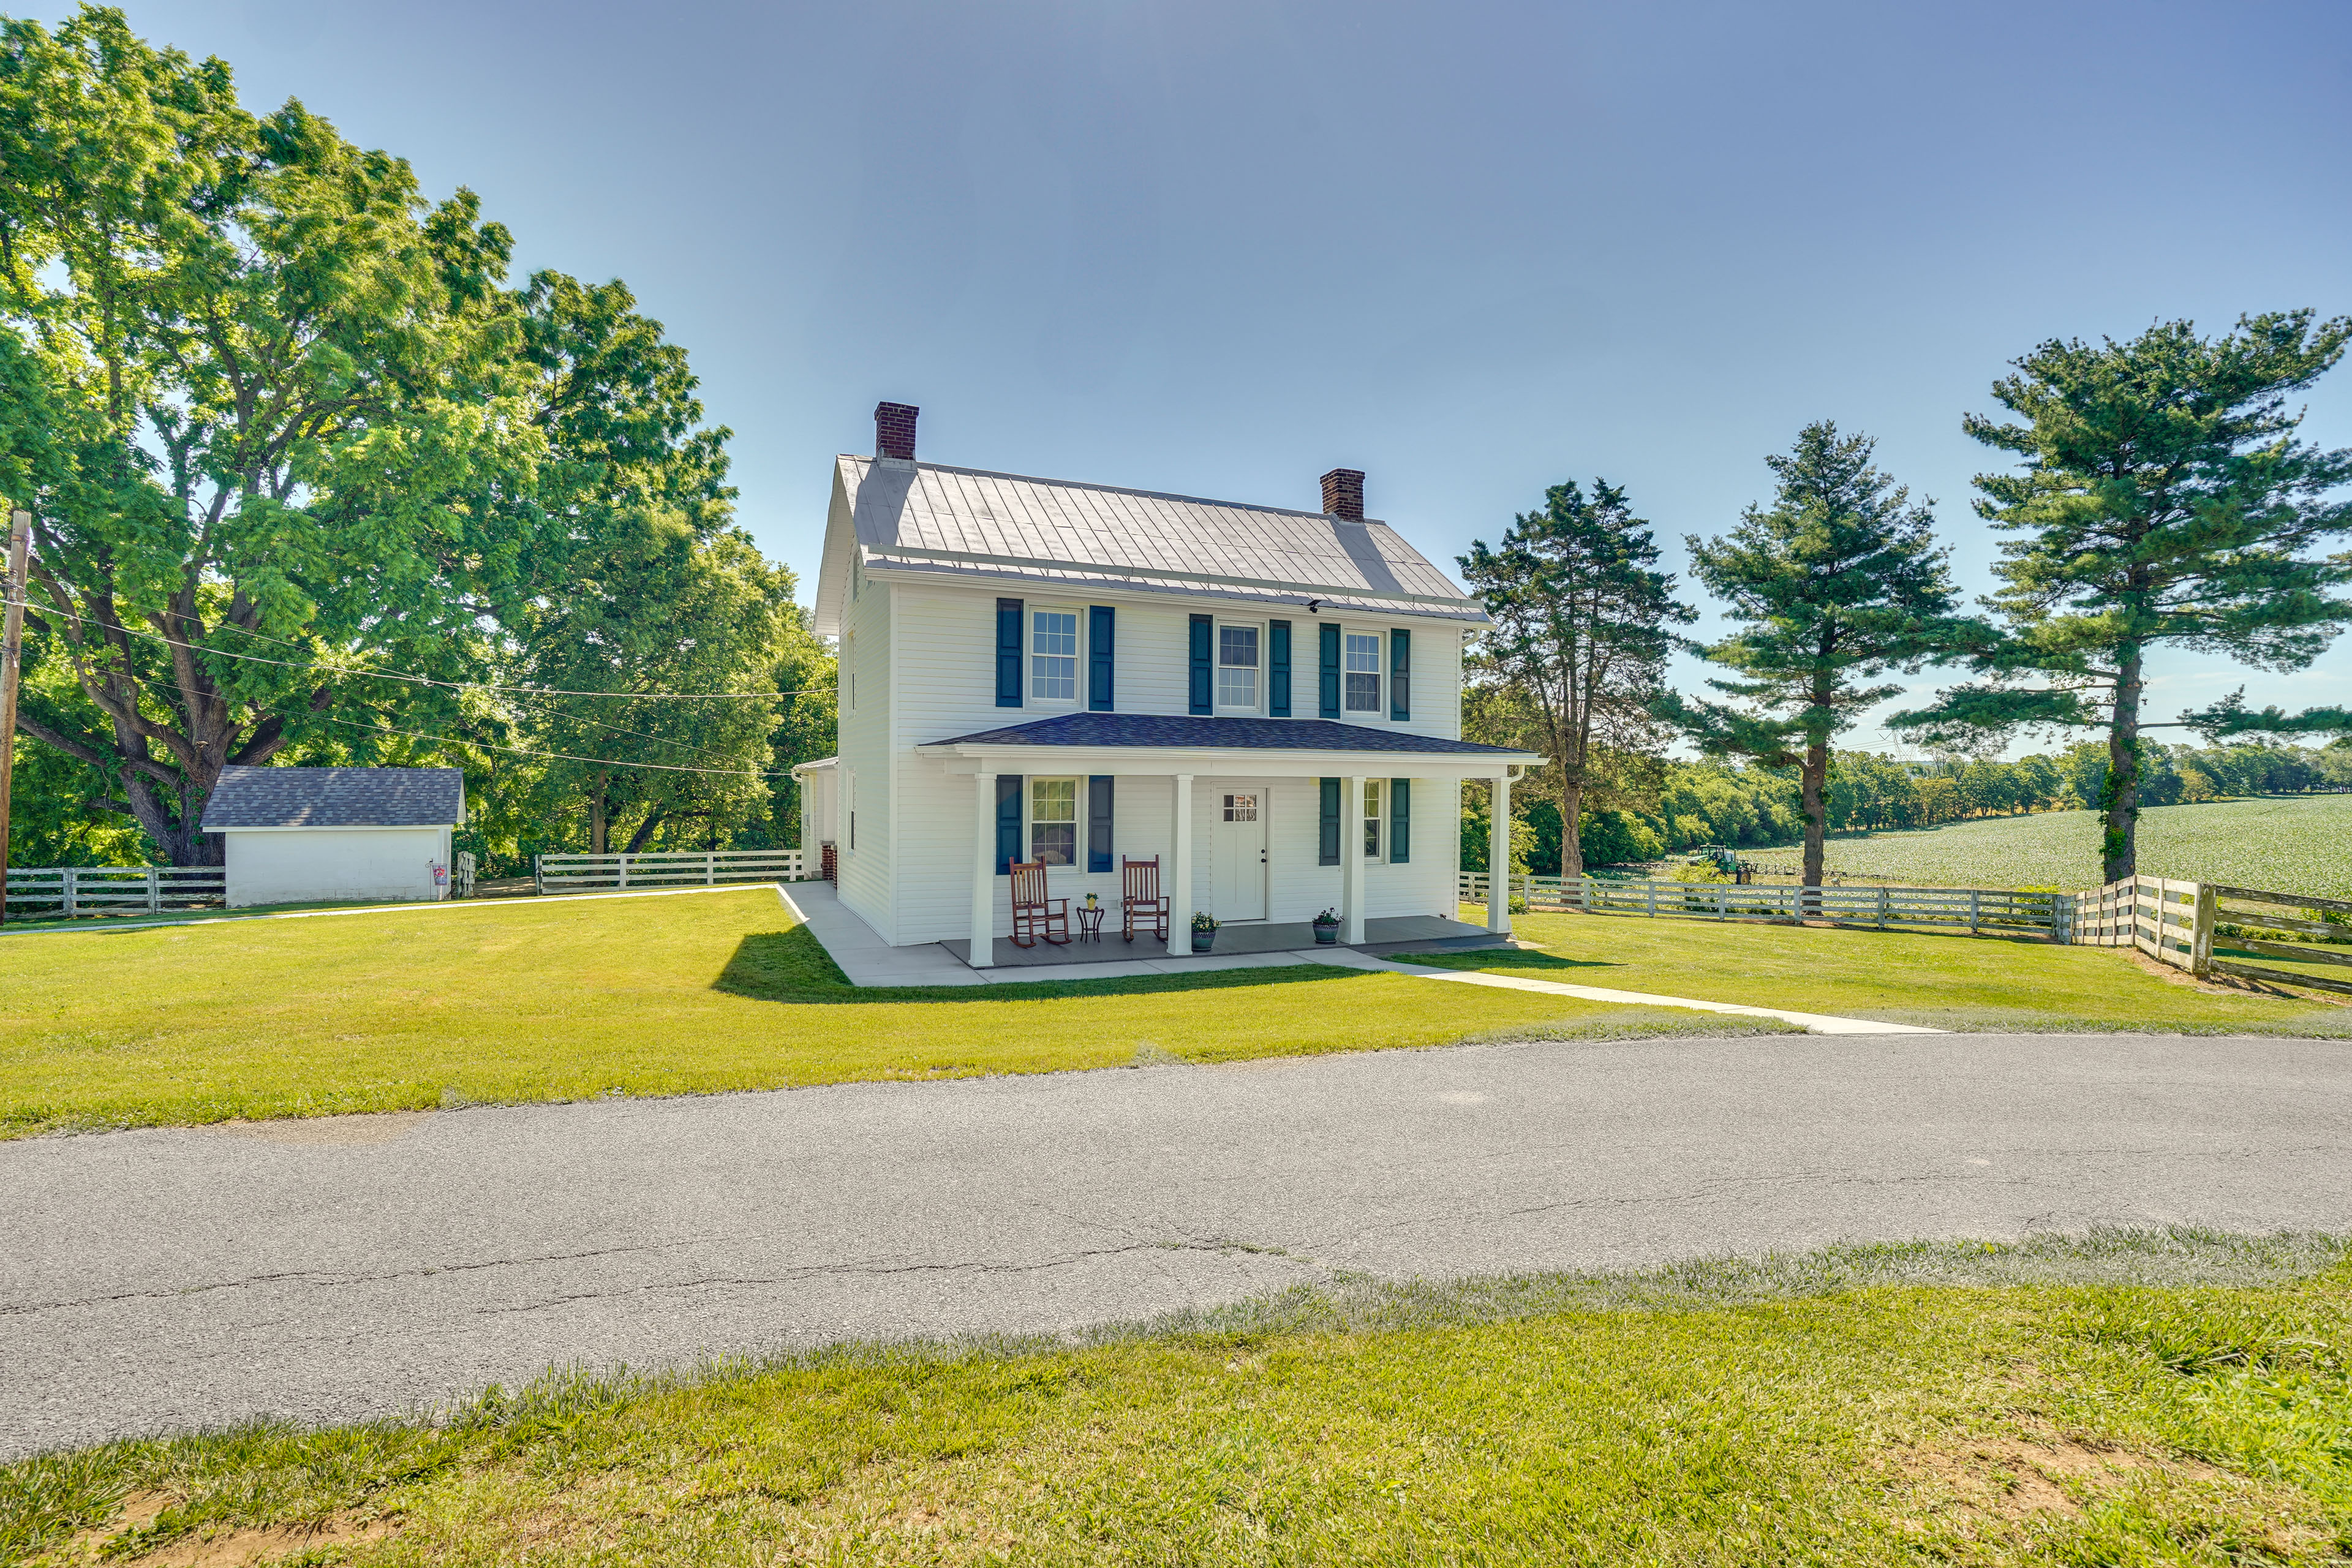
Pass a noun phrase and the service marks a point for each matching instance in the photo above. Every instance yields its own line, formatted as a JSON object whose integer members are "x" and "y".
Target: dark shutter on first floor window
{"x": 1008, "y": 652}
{"x": 1278, "y": 669}
{"x": 1101, "y": 624}
{"x": 1008, "y": 822}
{"x": 1399, "y": 821}
{"x": 1400, "y": 675}
{"x": 1099, "y": 823}
{"x": 1329, "y": 683}
{"x": 1327, "y": 844}
{"x": 1205, "y": 680}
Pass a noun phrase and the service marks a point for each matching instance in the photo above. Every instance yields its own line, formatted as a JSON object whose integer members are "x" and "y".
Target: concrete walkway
{"x": 868, "y": 960}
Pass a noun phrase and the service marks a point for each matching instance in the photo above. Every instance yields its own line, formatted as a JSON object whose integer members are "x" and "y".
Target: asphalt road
{"x": 348, "y": 1266}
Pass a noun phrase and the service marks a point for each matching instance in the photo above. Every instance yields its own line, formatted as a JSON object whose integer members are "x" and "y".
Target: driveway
{"x": 354, "y": 1266}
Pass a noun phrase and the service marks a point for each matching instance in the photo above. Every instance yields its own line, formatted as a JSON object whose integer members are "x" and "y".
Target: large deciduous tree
{"x": 1579, "y": 640}
{"x": 271, "y": 377}
{"x": 1838, "y": 582}
{"x": 2161, "y": 498}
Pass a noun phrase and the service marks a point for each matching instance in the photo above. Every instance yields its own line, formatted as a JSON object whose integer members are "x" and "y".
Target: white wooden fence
{"x": 1974, "y": 909}
{"x": 2170, "y": 921}
{"x": 74, "y": 891}
{"x": 574, "y": 873}
{"x": 2268, "y": 912}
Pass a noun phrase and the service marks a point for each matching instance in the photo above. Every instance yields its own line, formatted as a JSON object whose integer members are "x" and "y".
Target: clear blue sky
{"x": 1217, "y": 247}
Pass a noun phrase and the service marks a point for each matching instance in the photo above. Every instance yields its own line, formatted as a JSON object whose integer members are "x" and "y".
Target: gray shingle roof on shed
{"x": 336, "y": 797}
{"x": 1186, "y": 732}
{"x": 924, "y": 517}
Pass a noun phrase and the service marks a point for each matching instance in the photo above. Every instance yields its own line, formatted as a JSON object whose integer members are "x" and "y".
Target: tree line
{"x": 2159, "y": 496}
{"x": 1687, "y": 806}
{"x": 316, "y": 480}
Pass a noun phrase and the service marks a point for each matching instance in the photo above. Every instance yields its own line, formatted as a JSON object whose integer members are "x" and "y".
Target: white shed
{"x": 307, "y": 834}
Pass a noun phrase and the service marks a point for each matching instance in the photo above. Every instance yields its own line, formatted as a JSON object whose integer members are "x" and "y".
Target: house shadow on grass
{"x": 1511, "y": 958}
{"x": 792, "y": 966}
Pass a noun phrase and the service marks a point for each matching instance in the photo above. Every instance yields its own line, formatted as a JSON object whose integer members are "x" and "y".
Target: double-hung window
{"x": 1054, "y": 821}
{"x": 1373, "y": 819}
{"x": 1054, "y": 655}
{"x": 1363, "y": 672}
{"x": 1237, "y": 666}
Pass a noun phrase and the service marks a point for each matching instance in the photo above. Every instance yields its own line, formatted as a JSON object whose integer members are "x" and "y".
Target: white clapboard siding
{"x": 668, "y": 869}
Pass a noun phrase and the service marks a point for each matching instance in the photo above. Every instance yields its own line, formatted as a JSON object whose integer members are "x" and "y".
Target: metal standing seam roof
{"x": 929, "y": 518}
{"x": 1189, "y": 733}
{"x": 336, "y": 797}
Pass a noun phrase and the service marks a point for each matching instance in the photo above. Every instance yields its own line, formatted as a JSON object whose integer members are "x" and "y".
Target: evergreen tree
{"x": 1840, "y": 580}
{"x": 1574, "y": 659}
{"x": 2162, "y": 499}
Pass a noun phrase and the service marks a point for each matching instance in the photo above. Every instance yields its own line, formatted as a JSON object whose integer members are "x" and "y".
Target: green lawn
{"x": 2171, "y": 1398}
{"x": 2284, "y": 843}
{"x": 1951, "y": 982}
{"x": 564, "y": 999}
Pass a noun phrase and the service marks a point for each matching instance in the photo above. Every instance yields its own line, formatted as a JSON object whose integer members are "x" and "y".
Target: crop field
{"x": 2300, "y": 844}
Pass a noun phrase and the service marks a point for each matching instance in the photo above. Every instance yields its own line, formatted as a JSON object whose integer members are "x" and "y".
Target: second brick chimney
{"x": 1343, "y": 493}
{"x": 894, "y": 432}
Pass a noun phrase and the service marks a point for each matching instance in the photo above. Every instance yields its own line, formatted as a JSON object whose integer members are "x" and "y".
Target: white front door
{"x": 1238, "y": 852}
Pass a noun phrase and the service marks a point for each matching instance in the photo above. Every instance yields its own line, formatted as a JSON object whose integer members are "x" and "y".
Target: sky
{"x": 1219, "y": 247}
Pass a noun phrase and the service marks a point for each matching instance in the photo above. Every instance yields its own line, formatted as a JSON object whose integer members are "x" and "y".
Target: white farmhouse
{"x": 305, "y": 834}
{"x": 1267, "y": 701}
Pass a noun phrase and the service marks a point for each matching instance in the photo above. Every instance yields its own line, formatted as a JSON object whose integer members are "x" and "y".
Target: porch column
{"x": 984, "y": 871}
{"x": 1499, "y": 857}
{"x": 1178, "y": 886}
{"x": 1351, "y": 863}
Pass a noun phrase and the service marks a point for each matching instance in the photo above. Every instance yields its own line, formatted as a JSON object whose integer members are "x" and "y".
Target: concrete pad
{"x": 863, "y": 957}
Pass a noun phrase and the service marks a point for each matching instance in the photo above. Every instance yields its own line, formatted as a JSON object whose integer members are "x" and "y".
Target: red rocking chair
{"x": 1034, "y": 914}
{"x": 1139, "y": 898}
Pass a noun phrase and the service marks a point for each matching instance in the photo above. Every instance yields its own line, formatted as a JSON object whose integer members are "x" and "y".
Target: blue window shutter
{"x": 1400, "y": 820}
{"x": 1008, "y": 822}
{"x": 1400, "y": 675}
{"x": 1204, "y": 691}
{"x": 1330, "y": 693}
{"x": 1008, "y": 652}
{"x": 1098, "y": 822}
{"x": 1101, "y": 626}
{"x": 1327, "y": 845}
{"x": 1278, "y": 669}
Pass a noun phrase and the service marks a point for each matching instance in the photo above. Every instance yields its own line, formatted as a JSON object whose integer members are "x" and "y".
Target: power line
{"x": 561, "y": 756}
{"x": 409, "y": 680}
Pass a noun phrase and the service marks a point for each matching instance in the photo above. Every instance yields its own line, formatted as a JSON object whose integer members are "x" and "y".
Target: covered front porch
{"x": 1217, "y": 780}
{"x": 1396, "y": 933}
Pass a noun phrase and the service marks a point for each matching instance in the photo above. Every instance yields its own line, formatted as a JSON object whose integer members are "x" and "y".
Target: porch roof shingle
{"x": 1186, "y": 732}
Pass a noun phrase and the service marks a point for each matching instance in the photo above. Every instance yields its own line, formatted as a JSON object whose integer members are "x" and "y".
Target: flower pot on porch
{"x": 1327, "y": 936}
{"x": 1203, "y": 940}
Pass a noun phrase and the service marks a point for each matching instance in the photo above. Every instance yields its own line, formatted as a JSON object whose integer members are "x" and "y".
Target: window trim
{"x": 1217, "y": 665}
{"x": 1078, "y": 817}
{"x": 1030, "y": 656}
{"x": 1377, "y": 712}
{"x": 1371, "y": 828}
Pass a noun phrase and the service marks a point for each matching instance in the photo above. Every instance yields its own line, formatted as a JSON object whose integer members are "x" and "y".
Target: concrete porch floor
{"x": 1389, "y": 935}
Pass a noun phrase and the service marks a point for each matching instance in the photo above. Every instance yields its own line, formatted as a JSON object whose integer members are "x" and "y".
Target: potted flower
{"x": 1205, "y": 930}
{"x": 1326, "y": 929}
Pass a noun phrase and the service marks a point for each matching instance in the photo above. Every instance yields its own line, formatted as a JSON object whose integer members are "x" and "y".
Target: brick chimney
{"x": 1343, "y": 493}
{"x": 894, "y": 430}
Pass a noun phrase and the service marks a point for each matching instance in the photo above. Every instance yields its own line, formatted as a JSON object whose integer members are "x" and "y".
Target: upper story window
{"x": 1363, "y": 669}
{"x": 1054, "y": 655}
{"x": 1237, "y": 661}
{"x": 1373, "y": 819}
{"x": 1054, "y": 821}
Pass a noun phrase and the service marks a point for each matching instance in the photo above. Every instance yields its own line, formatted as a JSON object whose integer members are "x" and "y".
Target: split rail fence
{"x": 76, "y": 891}
{"x": 2172, "y": 921}
{"x": 1972, "y": 909}
{"x": 668, "y": 868}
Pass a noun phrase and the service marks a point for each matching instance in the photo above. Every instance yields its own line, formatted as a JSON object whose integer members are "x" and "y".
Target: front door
{"x": 1237, "y": 856}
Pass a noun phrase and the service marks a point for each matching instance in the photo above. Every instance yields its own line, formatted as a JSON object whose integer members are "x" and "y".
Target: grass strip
{"x": 2127, "y": 1396}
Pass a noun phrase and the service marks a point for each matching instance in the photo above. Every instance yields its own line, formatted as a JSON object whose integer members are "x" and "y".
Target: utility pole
{"x": 12, "y": 673}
